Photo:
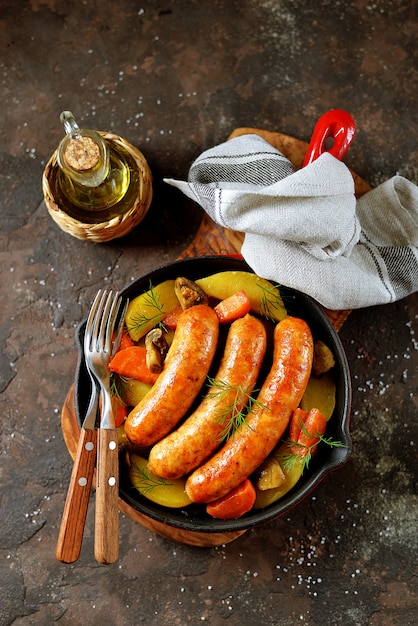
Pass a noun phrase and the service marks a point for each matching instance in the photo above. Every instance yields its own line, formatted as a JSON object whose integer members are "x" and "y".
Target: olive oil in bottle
{"x": 95, "y": 178}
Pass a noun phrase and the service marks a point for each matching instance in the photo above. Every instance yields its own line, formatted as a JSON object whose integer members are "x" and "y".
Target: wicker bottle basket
{"x": 116, "y": 226}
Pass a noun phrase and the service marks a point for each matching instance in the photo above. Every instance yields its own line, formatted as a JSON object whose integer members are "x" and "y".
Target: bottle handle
{"x": 70, "y": 125}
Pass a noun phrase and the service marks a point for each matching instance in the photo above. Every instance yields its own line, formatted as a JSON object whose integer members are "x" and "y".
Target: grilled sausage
{"x": 185, "y": 368}
{"x": 266, "y": 421}
{"x": 198, "y": 437}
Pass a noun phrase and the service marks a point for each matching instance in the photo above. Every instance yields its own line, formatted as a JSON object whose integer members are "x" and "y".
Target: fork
{"x": 76, "y": 504}
{"x": 98, "y": 350}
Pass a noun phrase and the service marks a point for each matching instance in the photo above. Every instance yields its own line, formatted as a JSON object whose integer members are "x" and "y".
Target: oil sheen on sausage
{"x": 266, "y": 421}
{"x": 200, "y": 435}
{"x": 185, "y": 368}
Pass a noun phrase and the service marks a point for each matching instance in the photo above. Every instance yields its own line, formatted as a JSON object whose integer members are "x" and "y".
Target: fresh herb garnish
{"x": 145, "y": 481}
{"x": 234, "y": 414}
{"x": 303, "y": 452}
{"x": 153, "y": 301}
{"x": 114, "y": 386}
{"x": 270, "y": 300}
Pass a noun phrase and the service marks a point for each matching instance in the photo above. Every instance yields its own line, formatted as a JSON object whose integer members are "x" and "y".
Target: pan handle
{"x": 337, "y": 125}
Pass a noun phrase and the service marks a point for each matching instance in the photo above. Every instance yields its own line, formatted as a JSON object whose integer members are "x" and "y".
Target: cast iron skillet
{"x": 194, "y": 518}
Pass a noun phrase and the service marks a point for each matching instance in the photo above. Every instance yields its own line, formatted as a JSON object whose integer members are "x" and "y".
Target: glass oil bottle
{"x": 94, "y": 178}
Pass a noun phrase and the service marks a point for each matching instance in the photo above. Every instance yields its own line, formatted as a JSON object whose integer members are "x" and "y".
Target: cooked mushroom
{"x": 189, "y": 293}
{"x": 156, "y": 346}
{"x": 323, "y": 359}
{"x": 271, "y": 475}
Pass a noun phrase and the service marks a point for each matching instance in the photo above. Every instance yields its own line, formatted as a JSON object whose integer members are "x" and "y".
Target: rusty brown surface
{"x": 175, "y": 79}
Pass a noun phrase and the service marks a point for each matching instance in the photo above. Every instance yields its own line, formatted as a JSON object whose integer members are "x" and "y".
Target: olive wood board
{"x": 210, "y": 239}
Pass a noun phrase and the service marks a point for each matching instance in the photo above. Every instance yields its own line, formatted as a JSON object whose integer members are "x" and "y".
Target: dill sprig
{"x": 234, "y": 414}
{"x": 114, "y": 387}
{"x": 119, "y": 383}
{"x": 153, "y": 301}
{"x": 270, "y": 300}
{"x": 303, "y": 452}
{"x": 145, "y": 481}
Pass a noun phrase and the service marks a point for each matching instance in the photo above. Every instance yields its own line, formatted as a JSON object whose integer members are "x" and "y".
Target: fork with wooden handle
{"x": 77, "y": 500}
{"x": 98, "y": 351}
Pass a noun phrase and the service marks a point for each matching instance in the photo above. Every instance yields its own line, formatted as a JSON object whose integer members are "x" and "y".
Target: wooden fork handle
{"x": 73, "y": 520}
{"x": 106, "y": 538}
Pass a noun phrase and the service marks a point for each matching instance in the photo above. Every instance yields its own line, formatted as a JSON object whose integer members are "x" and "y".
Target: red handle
{"x": 337, "y": 125}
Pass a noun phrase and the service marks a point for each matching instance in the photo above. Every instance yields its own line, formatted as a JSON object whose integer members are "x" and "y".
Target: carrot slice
{"x": 312, "y": 430}
{"x": 120, "y": 411}
{"x": 235, "y": 503}
{"x": 233, "y": 307}
{"x": 296, "y": 422}
{"x": 126, "y": 341}
{"x": 171, "y": 319}
{"x": 131, "y": 363}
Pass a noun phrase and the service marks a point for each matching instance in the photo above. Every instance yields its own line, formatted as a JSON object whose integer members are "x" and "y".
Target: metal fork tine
{"x": 119, "y": 331}
{"x": 90, "y": 417}
{"x": 110, "y": 314}
{"x": 92, "y": 319}
{"x": 102, "y": 323}
{"x": 114, "y": 314}
{"x": 100, "y": 320}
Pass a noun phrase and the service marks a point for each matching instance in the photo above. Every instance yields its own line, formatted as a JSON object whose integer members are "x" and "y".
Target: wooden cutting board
{"x": 210, "y": 239}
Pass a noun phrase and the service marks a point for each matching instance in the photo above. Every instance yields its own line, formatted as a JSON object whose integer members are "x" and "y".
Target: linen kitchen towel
{"x": 305, "y": 228}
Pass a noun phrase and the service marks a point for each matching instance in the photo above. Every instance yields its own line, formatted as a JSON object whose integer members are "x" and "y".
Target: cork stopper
{"x": 82, "y": 154}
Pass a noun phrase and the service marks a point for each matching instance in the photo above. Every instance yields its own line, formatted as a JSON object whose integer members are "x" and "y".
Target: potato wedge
{"x": 320, "y": 394}
{"x": 132, "y": 391}
{"x": 148, "y": 309}
{"x": 165, "y": 492}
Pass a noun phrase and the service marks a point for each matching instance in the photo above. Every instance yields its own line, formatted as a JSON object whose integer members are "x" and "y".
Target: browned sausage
{"x": 266, "y": 421}
{"x": 184, "y": 371}
{"x": 198, "y": 437}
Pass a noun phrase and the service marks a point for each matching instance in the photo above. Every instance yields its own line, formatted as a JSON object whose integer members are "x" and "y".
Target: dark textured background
{"x": 175, "y": 78}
